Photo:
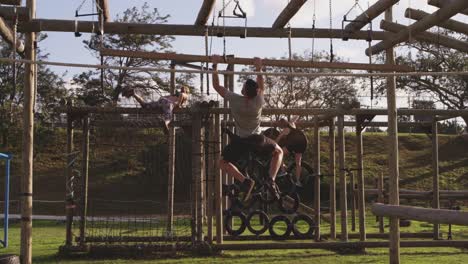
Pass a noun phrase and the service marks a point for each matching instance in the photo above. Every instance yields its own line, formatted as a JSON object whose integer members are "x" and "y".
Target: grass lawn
{"x": 49, "y": 235}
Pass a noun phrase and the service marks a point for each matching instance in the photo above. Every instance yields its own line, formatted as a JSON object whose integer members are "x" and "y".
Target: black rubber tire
{"x": 9, "y": 259}
{"x": 310, "y": 232}
{"x": 265, "y": 220}
{"x": 276, "y": 219}
{"x": 228, "y": 215}
{"x": 295, "y": 206}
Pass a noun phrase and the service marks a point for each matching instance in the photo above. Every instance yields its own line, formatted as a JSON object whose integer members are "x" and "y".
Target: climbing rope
{"x": 331, "y": 27}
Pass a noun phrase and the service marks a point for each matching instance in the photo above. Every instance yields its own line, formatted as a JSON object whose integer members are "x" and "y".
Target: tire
{"x": 9, "y": 259}
{"x": 292, "y": 209}
{"x": 310, "y": 222}
{"x": 228, "y": 216}
{"x": 274, "y": 234}
{"x": 264, "y": 218}
{"x": 307, "y": 172}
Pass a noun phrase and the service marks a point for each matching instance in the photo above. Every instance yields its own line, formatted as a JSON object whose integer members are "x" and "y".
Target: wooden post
{"x": 361, "y": 196}
{"x": 197, "y": 163}
{"x": 392, "y": 131}
{"x": 171, "y": 163}
{"x": 331, "y": 164}
{"x": 218, "y": 181}
{"x": 435, "y": 174}
{"x": 352, "y": 196}
{"x": 341, "y": 164}
{"x": 84, "y": 175}
{"x": 69, "y": 188}
{"x": 317, "y": 177}
{"x": 28, "y": 144}
{"x": 381, "y": 199}
{"x": 210, "y": 167}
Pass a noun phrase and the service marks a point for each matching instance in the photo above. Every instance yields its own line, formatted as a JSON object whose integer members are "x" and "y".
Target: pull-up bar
{"x": 250, "y": 61}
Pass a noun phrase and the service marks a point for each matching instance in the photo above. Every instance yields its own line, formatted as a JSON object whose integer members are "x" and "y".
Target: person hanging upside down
{"x": 165, "y": 103}
{"x": 292, "y": 140}
{"x": 246, "y": 109}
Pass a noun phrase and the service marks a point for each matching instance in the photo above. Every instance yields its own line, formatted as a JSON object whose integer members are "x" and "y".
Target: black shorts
{"x": 295, "y": 142}
{"x": 241, "y": 147}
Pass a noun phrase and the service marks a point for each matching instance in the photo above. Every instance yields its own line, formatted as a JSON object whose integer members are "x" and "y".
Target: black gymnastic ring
{"x": 296, "y": 202}
{"x": 228, "y": 215}
{"x": 309, "y": 221}
{"x": 265, "y": 219}
{"x": 275, "y": 220}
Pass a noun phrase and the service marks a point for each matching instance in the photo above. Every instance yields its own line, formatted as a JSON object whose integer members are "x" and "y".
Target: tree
{"x": 50, "y": 91}
{"x": 300, "y": 92}
{"x": 89, "y": 83}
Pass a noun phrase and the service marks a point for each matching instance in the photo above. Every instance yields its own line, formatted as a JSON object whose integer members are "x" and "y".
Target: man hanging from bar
{"x": 246, "y": 109}
{"x": 165, "y": 103}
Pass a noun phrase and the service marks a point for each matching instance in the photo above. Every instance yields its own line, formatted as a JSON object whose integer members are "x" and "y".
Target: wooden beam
{"x": 372, "y": 12}
{"x": 10, "y": 2}
{"x": 249, "y": 61}
{"x": 9, "y": 36}
{"x": 288, "y": 12}
{"x": 342, "y": 178}
{"x": 332, "y": 172}
{"x": 360, "y": 176}
{"x": 104, "y": 5}
{"x": 205, "y": 12}
{"x": 420, "y": 26}
{"x": 53, "y": 25}
{"x": 428, "y": 37}
{"x": 438, "y": 216}
{"x": 449, "y": 24}
{"x": 316, "y": 189}
{"x": 444, "y": 3}
{"x": 435, "y": 175}
{"x": 9, "y": 13}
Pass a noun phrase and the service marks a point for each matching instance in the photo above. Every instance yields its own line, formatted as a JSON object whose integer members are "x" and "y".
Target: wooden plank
{"x": 342, "y": 173}
{"x": 332, "y": 172}
{"x": 420, "y": 26}
{"x": 435, "y": 174}
{"x": 69, "y": 191}
{"x": 205, "y": 12}
{"x": 10, "y": 2}
{"x": 288, "y": 12}
{"x": 444, "y": 3}
{"x": 439, "y": 216}
{"x": 10, "y": 13}
{"x": 84, "y": 180}
{"x": 218, "y": 181}
{"x": 428, "y": 37}
{"x": 372, "y": 12}
{"x": 250, "y": 61}
{"x": 360, "y": 176}
{"x": 56, "y": 25}
{"x": 9, "y": 36}
{"x": 449, "y": 24}
{"x": 317, "y": 178}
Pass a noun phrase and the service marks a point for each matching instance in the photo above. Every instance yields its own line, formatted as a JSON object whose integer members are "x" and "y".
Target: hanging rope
{"x": 13, "y": 55}
{"x": 207, "y": 53}
{"x": 331, "y": 27}
{"x": 314, "y": 19}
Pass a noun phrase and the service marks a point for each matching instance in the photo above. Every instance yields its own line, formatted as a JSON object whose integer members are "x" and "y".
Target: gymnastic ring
{"x": 273, "y": 233}
{"x": 263, "y": 218}
{"x": 297, "y": 233}
{"x": 228, "y": 216}
{"x": 295, "y": 204}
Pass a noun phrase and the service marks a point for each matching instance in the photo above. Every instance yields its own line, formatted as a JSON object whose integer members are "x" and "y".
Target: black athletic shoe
{"x": 247, "y": 186}
{"x": 273, "y": 189}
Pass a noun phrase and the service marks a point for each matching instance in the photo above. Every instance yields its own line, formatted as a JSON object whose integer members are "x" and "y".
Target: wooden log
{"x": 250, "y": 61}
{"x": 428, "y": 37}
{"x": 28, "y": 145}
{"x": 104, "y": 6}
{"x": 197, "y": 163}
{"x": 352, "y": 199}
{"x": 317, "y": 178}
{"x": 444, "y": 3}
{"x": 210, "y": 167}
{"x": 435, "y": 175}
{"x": 332, "y": 172}
{"x": 360, "y": 176}
{"x": 449, "y": 24}
{"x": 171, "y": 163}
{"x": 205, "y": 12}
{"x": 372, "y": 12}
{"x": 393, "y": 166}
{"x": 10, "y": 2}
{"x": 438, "y": 216}
{"x": 218, "y": 181}
{"x": 381, "y": 199}
{"x": 55, "y": 25}
{"x": 69, "y": 192}
{"x": 288, "y": 12}
{"x": 84, "y": 183}
{"x": 9, "y": 36}
{"x": 420, "y": 26}
{"x": 304, "y": 209}
{"x": 341, "y": 165}
{"x": 10, "y": 13}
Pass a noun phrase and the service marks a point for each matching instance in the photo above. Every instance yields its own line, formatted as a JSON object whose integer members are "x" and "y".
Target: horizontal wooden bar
{"x": 55, "y": 25}
{"x": 8, "y": 13}
{"x": 10, "y": 2}
{"x": 436, "y": 216}
{"x": 428, "y": 37}
{"x": 250, "y": 61}
{"x": 444, "y": 3}
{"x": 205, "y": 11}
{"x": 449, "y": 24}
{"x": 288, "y": 12}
